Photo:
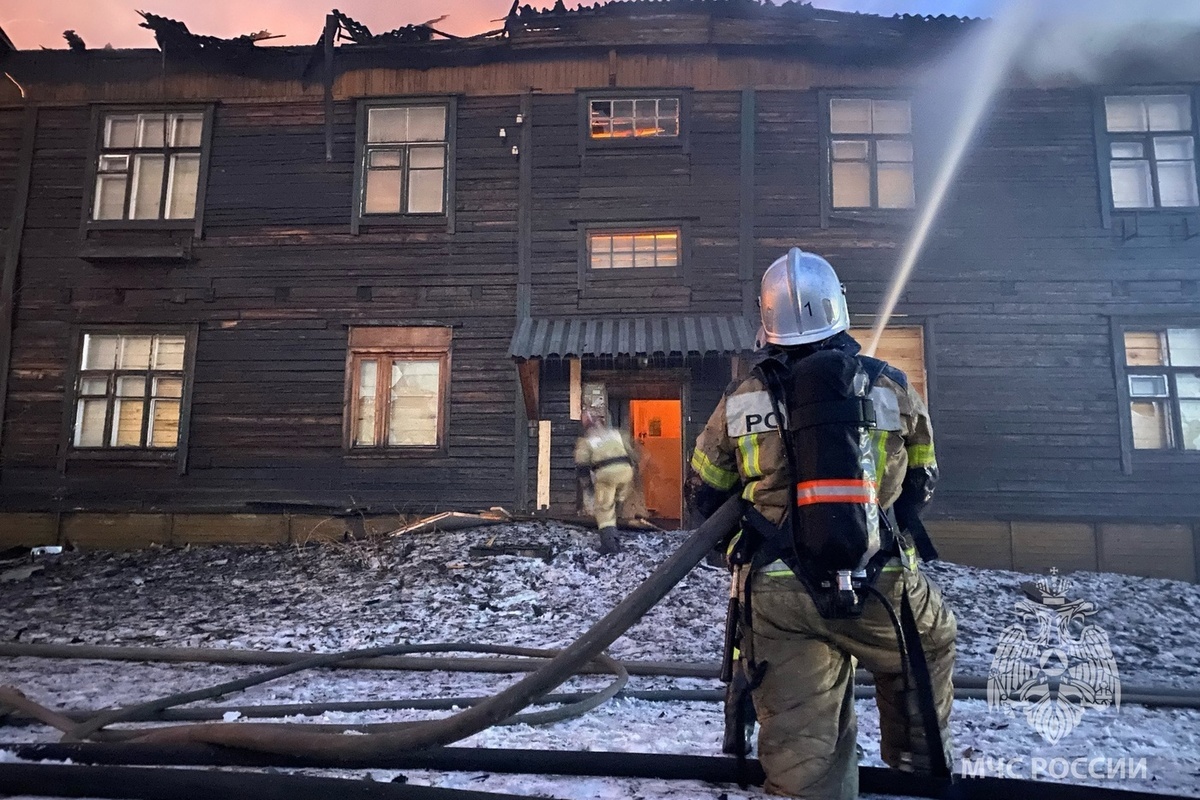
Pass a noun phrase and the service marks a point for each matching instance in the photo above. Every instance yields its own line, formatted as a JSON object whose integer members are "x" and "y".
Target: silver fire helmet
{"x": 801, "y": 300}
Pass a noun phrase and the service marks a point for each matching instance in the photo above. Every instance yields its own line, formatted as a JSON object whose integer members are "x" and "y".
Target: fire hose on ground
{"x": 404, "y": 745}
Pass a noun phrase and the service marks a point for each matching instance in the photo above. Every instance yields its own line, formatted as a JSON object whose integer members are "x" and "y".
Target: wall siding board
{"x": 1021, "y": 278}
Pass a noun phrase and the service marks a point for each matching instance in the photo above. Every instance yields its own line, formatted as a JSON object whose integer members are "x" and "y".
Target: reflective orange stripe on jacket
{"x": 835, "y": 491}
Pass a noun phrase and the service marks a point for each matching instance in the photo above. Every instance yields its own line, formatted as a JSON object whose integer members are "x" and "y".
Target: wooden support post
{"x": 530, "y": 374}
{"x": 543, "y": 468}
{"x": 576, "y": 389}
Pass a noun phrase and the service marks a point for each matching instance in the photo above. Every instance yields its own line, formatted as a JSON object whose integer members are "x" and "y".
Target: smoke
{"x": 1094, "y": 41}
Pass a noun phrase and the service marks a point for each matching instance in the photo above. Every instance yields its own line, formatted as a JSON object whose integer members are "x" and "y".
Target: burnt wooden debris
{"x": 1022, "y": 297}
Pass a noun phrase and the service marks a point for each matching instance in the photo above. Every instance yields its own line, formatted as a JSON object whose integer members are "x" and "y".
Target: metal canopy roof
{"x": 632, "y": 336}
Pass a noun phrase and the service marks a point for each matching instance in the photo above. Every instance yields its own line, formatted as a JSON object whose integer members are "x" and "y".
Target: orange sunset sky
{"x": 40, "y": 23}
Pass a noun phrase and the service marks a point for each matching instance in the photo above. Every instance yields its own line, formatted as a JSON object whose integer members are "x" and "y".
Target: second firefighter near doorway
{"x": 649, "y": 405}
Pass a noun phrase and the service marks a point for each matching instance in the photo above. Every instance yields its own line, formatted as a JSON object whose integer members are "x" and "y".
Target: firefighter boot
{"x": 609, "y": 543}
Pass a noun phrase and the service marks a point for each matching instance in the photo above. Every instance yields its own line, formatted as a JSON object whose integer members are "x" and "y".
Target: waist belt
{"x": 608, "y": 462}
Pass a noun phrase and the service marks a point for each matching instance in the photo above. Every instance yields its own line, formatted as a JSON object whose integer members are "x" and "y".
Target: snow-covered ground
{"x": 427, "y": 588}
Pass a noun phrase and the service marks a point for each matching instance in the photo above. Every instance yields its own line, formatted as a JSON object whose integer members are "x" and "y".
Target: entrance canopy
{"x": 632, "y": 336}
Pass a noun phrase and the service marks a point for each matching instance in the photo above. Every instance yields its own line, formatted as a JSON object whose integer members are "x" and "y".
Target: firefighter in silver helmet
{"x": 797, "y": 656}
{"x": 604, "y": 459}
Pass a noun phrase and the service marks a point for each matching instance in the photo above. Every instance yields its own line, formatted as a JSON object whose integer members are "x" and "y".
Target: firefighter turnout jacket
{"x": 740, "y": 447}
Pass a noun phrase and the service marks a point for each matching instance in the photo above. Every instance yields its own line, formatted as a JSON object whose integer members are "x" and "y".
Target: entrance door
{"x": 657, "y": 426}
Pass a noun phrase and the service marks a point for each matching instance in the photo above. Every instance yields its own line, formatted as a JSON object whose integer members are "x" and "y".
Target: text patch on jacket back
{"x": 749, "y": 413}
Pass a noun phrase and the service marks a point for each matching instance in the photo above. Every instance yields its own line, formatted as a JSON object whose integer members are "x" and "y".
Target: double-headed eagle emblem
{"x": 1053, "y": 665}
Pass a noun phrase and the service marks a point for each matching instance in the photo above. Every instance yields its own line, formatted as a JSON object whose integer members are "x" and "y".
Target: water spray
{"x": 999, "y": 48}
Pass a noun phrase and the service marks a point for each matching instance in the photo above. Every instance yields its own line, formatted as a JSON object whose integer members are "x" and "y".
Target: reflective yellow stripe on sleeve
{"x": 880, "y": 455}
{"x": 921, "y": 455}
{"x": 710, "y": 473}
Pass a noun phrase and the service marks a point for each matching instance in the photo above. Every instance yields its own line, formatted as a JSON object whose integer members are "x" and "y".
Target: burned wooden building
{"x": 264, "y": 293}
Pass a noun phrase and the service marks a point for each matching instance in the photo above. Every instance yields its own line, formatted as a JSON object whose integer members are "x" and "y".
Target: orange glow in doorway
{"x": 657, "y": 426}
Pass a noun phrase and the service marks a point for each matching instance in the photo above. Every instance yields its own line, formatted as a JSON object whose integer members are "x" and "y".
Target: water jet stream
{"x": 999, "y": 49}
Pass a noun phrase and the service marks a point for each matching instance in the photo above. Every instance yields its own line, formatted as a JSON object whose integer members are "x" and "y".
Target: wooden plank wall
{"x": 696, "y": 187}
{"x": 1018, "y": 282}
{"x": 273, "y": 288}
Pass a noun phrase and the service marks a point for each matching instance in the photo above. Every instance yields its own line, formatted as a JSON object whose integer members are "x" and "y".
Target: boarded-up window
{"x": 148, "y": 166}
{"x": 870, "y": 153}
{"x": 633, "y": 249}
{"x": 397, "y": 387}
{"x": 904, "y": 348}
{"x": 1151, "y": 151}
{"x": 1163, "y": 373}
{"x": 129, "y": 391}
{"x": 405, "y": 154}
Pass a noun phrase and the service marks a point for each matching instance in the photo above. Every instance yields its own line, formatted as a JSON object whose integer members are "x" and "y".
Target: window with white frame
{"x": 633, "y": 118}
{"x": 405, "y": 156}
{"x": 1151, "y": 144}
{"x": 644, "y": 248}
{"x": 148, "y": 166}
{"x": 1162, "y": 368}
{"x": 129, "y": 391}
{"x": 870, "y": 153}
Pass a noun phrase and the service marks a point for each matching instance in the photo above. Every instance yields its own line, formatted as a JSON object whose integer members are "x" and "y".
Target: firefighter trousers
{"x": 610, "y": 485}
{"x": 805, "y": 702}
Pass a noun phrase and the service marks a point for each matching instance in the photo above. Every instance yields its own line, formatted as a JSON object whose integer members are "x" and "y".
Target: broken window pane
{"x": 1151, "y": 424}
{"x": 1131, "y": 184}
{"x": 382, "y": 192}
{"x": 1189, "y": 417}
{"x": 146, "y": 198}
{"x": 1184, "y": 344}
{"x": 1169, "y": 112}
{"x": 89, "y": 423}
{"x": 110, "y": 197}
{"x": 413, "y": 403}
{"x": 183, "y": 185}
{"x": 849, "y": 116}
{"x": 1144, "y": 349}
{"x": 426, "y": 189}
{"x": 99, "y": 352}
{"x": 851, "y": 184}
{"x": 891, "y": 116}
{"x": 1125, "y": 114}
{"x": 896, "y": 186}
{"x": 364, "y": 423}
{"x": 1177, "y": 184}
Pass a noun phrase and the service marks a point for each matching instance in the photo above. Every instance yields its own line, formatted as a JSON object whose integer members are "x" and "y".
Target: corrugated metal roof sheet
{"x": 631, "y": 336}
